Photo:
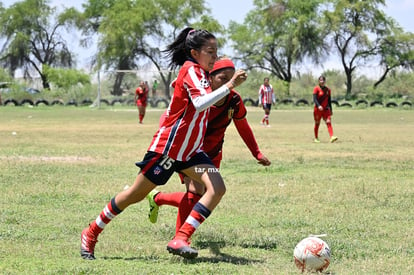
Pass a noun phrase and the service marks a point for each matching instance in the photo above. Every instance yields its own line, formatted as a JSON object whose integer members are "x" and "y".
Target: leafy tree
{"x": 396, "y": 51}
{"x": 32, "y": 32}
{"x": 278, "y": 35}
{"x": 131, "y": 32}
{"x": 65, "y": 78}
{"x": 358, "y": 30}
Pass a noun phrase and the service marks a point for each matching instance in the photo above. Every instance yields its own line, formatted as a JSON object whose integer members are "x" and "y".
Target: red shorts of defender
{"x": 318, "y": 115}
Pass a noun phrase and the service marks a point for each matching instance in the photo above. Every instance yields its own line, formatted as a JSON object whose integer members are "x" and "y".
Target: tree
{"x": 136, "y": 31}
{"x": 65, "y": 78}
{"x": 358, "y": 29}
{"x": 32, "y": 32}
{"x": 278, "y": 35}
{"x": 396, "y": 51}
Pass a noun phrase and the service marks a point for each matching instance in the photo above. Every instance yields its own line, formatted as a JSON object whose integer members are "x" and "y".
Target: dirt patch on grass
{"x": 63, "y": 159}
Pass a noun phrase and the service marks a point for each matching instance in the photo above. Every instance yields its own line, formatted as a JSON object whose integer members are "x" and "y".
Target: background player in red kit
{"x": 221, "y": 114}
{"x": 177, "y": 145}
{"x": 266, "y": 99}
{"x": 141, "y": 96}
{"x": 322, "y": 108}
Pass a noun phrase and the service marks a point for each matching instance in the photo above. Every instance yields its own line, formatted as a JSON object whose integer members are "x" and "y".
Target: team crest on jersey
{"x": 157, "y": 171}
{"x": 230, "y": 113}
{"x": 204, "y": 82}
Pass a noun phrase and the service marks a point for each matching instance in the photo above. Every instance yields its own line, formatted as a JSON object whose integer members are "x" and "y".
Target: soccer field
{"x": 59, "y": 166}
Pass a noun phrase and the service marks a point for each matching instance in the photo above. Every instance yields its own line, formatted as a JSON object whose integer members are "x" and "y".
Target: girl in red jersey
{"x": 221, "y": 114}
{"x": 177, "y": 145}
{"x": 266, "y": 99}
{"x": 141, "y": 94}
{"x": 322, "y": 108}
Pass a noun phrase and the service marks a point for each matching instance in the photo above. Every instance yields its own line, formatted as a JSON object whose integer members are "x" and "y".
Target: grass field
{"x": 59, "y": 166}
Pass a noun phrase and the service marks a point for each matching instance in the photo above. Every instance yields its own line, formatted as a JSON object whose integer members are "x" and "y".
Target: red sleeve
{"x": 247, "y": 135}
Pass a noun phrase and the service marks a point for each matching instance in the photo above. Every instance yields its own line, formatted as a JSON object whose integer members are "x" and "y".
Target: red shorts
{"x": 140, "y": 103}
{"x": 318, "y": 115}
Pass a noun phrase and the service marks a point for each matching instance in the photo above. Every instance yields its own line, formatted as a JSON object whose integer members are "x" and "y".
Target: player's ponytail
{"x": 180, "y": 50}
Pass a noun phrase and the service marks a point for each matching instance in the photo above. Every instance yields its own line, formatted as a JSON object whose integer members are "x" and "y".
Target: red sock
{"x": 193, "y": 221}
{"x": 263, "y": 120}
{"x": 141, "y": 117}
{"x": 173, "y": 199}
{"x": 184, "y": 209}
{"x": 108, "y": 213}
{"x": 330, "y": 130}
{"x": 315, "y": 130}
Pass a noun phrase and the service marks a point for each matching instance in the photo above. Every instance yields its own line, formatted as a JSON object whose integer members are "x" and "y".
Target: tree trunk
{"x": 116, "y": 90}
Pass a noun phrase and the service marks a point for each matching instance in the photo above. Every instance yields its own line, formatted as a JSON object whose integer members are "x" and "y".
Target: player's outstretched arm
{"x": 247, "y": 135}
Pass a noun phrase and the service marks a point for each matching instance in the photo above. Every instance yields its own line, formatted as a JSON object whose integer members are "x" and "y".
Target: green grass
{"x": 63, "y": 164}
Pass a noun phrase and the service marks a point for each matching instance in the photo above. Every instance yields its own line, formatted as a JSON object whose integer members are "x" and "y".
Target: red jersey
{"x": 182, "y": 131}
{"x": 220, "y": 117}
{"x": 266, "y": 95}
{"x": 323, "y": 95}
{"x": 142, "y": 96}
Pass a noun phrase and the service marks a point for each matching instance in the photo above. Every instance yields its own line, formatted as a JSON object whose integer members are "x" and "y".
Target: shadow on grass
{"x": 214, "y": 249}
{"x": 221, "y": 257}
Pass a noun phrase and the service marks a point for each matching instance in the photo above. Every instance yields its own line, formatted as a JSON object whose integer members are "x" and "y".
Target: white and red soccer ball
{"x": 312, "y": 254}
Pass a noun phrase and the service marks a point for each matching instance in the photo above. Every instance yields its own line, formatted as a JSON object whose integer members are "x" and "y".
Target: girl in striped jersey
{"x": 266, "y": 99}
{"x": 177, "y": 145}
{"x": 228, "y": 109}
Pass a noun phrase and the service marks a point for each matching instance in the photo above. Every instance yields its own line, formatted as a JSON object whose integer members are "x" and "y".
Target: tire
{"x": 391, "y": 105}
{"x": 10, "y": 101}
{"x": 41, "y": 101}
{"x": 346, "y": 104}
{"x": 335, "y": 102}
{"x": 376, "y": 102}
{"x": 249, "y": 102}
{"x": 86, "y": 102}
{"x": 27, "y": 101}
{"x": 115, "y": 101}
{"x": 361, "y": 101}
{"x": 406, "y": 103}
{"x": 105, "y": 101}
{"x": 161, "y": 102}
{"x": 286, "y": 101}
{"x": 57, "y": 102}
{"x": 302, "y": 102}
{"x": 152, "y": 102}
{"x": 72, "y": 102}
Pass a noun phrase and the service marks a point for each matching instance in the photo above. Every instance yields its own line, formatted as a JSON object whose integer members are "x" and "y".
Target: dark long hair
{"x": 180, "y": 50}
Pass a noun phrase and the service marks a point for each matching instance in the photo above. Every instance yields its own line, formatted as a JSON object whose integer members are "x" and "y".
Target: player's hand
{"x": 320, "y": 108}
{"x": 264, "y": 161}
{"x": 238, "y": 78}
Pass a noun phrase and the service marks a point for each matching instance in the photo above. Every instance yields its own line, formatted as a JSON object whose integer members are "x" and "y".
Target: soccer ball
{"x": 312, "y": 254}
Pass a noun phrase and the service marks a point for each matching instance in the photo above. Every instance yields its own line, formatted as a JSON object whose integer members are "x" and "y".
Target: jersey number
{"x": 167, "y": 162}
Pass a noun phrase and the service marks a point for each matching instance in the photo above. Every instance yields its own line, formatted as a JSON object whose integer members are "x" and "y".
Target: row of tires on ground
{"x": 157, "y": 103}
{"x": 361, "y": 102}
{"x": 163, "y": 103}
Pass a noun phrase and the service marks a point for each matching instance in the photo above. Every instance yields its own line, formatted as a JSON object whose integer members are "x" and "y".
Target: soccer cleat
{"x": 181, "y": 248}
{"x": 153, "y": 207}
{"x": 316, "y": 140}
{"x": 87, "y": 245}
{"x": 333, "y": 139}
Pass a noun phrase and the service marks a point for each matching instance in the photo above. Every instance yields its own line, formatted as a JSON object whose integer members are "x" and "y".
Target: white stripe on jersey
{"x": 157, "y": 139}
{"x": 199, "y": 85}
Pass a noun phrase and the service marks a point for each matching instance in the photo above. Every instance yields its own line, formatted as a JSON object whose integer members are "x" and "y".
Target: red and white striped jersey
{"x": 266, "y": 95}
{"x": 182, "y": 130}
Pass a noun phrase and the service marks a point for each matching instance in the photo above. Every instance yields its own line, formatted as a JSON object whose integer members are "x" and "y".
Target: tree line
{"x": 276, "y": 37}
